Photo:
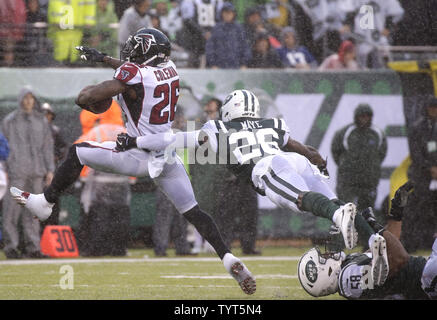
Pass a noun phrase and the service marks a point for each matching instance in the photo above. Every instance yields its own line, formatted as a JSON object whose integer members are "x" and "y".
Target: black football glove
{"x": 125, "y": 142}
{"x": 91, "y": 54}
{"x": 400, "y": 200}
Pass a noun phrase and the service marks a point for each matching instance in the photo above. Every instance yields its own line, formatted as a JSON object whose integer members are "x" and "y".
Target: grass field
{"x": 141, "y": 276}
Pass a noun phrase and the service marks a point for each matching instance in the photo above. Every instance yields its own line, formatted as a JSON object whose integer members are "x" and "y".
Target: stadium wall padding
{"x": 314, "y": 105}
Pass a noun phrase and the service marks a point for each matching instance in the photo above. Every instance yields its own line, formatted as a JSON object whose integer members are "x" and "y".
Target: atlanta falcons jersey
{"x": 241, "y": 144}
{"x": 157, "y": 92}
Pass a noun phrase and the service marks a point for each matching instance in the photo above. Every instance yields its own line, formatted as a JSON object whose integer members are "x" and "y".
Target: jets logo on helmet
{"x": 318, "y": 272}
{"x": 240, "y": 104}
{"x": 311, "y": 271}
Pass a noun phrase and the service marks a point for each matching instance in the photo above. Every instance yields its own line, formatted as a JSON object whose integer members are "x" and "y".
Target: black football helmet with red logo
{"x": 147, "y": 46}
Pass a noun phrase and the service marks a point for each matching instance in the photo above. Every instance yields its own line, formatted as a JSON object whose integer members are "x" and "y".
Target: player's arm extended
{"x": 159, "y": 141}
{"x": 113, "y": 62}
{"x": 104, "y": 90}
{"x": 94, "y": 55}
{"x": 307, "y": 151}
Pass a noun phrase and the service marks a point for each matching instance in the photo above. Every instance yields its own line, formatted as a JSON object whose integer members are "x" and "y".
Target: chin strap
{"x": 150, "y": 60}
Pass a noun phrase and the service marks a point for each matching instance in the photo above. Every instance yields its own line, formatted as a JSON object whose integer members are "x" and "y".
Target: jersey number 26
{"x": 169, "y": 95}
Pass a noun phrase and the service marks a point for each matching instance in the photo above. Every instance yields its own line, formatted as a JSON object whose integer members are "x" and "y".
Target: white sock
{"x": 228, "y": 260}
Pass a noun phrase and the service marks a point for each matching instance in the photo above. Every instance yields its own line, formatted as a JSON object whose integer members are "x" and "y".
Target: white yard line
{"x": 137, "y": 260}
{"x": 261, "y": 276}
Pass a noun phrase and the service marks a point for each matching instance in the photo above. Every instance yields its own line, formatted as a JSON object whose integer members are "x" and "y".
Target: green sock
{"x": 319, "y": 205}
{"x": 363, "y": 228}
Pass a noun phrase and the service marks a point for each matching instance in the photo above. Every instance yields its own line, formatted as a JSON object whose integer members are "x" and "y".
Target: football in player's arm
{"x": 93, "y": 95}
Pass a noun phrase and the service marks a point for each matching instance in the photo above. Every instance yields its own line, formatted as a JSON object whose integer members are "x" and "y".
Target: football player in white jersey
{"x": 386, "y": 270}
{"x": 147, "y": 85}
{"x": 261, "y": 152}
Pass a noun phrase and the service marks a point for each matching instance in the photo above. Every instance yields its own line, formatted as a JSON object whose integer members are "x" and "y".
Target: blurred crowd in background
{"x": 300, "y": 34}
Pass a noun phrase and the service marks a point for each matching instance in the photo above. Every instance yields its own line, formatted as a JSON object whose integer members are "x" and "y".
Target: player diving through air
{"x": 147, "y": 85}
{"x": 262, "y": 152}
{"x": 385, "y": 270}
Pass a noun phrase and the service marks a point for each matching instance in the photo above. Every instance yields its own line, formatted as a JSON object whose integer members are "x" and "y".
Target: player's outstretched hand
{"x": 400, "y": 200}
{"x": 90, "y": 54}
{"x": 316, "y": 159}
{"x": 401, "y": 195}
{"x": 125, "y": 142}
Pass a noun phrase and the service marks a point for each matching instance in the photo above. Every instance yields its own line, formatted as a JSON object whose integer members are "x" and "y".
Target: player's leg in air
{"x": 289, "y": 181}
{"x": 173, "y": 180}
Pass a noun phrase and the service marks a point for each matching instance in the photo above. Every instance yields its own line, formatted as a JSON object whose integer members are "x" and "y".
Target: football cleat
{"x": 344, "y": 219}
{"x": 35, "y": 203}
{"x": 380, "y": 266}
{"x": 242, "y": 275}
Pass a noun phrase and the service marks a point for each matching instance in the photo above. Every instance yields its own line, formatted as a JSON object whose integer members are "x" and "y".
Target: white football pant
{"x": 173, "y": 180}
{"x": 284, "y": 176}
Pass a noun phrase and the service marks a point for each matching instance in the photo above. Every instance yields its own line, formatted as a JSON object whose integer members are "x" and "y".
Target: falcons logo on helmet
{"x": 146, "y": 40}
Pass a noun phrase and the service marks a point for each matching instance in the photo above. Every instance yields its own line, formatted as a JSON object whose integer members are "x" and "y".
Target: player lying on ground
{"x": 385, "y": 270}
{"x": 146, "y": 85}
{"x": 261, "y": 152}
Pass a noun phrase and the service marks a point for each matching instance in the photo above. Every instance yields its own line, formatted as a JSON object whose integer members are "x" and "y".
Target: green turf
{"x": 177, "y": 279}
{"x": 155, "y": 278}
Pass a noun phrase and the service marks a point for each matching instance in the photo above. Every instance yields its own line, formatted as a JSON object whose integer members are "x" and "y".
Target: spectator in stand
{"x": 12, "y": 20}
{"x": 35, "y": 48}
{"x": 120, "y": 6}
{"x": 133, "y": 19}
{"x": 328, "y": 24}
{"x": 66, "y": 26}
{"x": 263, "y": 55}
{"x": 345, "y": 59}
{"x": 171, "y": 20}
{"x": 419, "y": 226}
{"x": 227, "y": 47}
{"x": 199, "y": 18}
{"x": 103, "y": 36}
{"x": 292, "y": 55}
{"x": 30, "y": 165}
{"x": 254, "y": 23}
{"x": 386, "y": 14}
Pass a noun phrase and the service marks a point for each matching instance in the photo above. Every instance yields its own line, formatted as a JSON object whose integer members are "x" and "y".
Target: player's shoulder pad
{"x": 128, "y": 73}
